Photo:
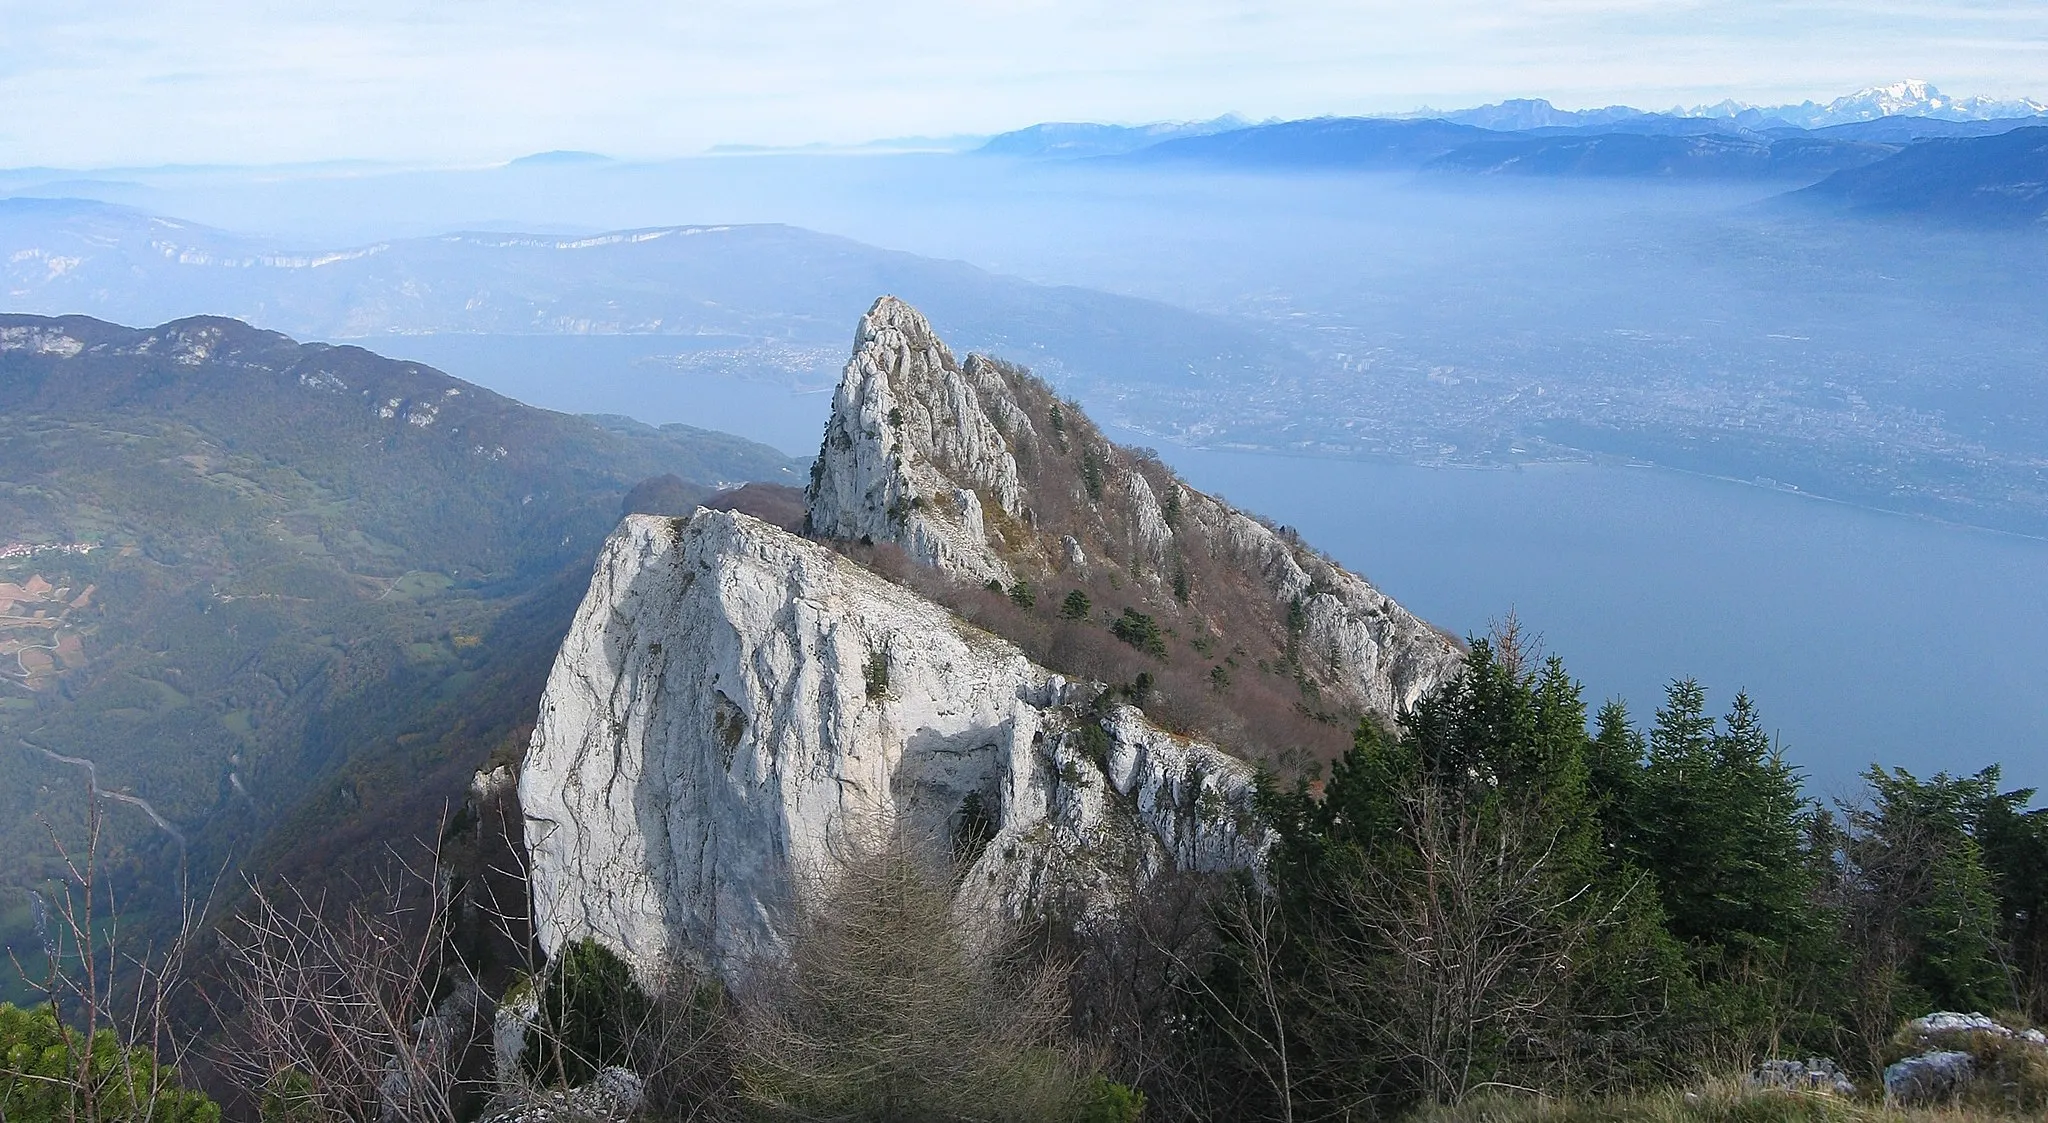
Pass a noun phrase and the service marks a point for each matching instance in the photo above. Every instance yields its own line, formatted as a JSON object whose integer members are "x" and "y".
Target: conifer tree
{"x": 1927, "y": 906}
{"x": 1682, "y": 842}
{"x": 1771, "y": 897}
{"x": 1724, "y": 829}
{"x": 2015, "y": 844}
{"x": 1615, "y": 777}
{"x": 1454, "y": 916}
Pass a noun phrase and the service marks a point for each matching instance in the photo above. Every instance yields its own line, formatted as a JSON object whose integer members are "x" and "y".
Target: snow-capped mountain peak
{"x": 1917, "y": 98}
{"x": 1914, "y": 97}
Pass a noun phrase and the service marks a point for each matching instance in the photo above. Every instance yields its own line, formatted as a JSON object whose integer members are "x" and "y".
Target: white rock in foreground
{"x": 1949, "y": 1021}
{"x": 735, "y": 705}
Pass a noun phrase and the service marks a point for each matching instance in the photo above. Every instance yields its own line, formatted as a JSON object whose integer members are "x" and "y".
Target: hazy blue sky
{"x": 130, "y": 81}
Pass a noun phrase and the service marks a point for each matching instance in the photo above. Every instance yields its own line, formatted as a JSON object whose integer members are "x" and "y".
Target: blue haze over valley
{"x": 1750, "y": 394}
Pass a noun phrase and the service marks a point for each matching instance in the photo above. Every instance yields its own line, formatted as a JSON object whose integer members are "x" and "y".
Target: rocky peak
{"x": 912, "y": 454}
{"x": 982, "y": 472}
{"x": 736, "y": 704}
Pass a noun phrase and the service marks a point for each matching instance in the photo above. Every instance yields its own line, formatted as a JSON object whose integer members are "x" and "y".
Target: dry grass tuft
{"x": 1726, "y": 1101}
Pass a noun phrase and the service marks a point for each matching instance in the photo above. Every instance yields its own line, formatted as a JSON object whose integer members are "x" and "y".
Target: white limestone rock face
{"x": 734, "y": 705}
{"x": 910, "y": 455}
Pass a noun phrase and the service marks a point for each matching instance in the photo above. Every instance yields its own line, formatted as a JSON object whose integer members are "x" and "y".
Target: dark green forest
{"x": 1501, "y": 894}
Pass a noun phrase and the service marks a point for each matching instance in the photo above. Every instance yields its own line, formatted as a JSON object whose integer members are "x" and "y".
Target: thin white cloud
{"x": 247, "y": 80}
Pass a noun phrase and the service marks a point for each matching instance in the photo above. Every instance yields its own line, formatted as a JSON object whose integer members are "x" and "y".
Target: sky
{"x": 131, "y": 83}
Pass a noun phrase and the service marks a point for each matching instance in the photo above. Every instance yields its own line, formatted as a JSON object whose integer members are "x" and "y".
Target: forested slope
{"x": 266, "y": 586}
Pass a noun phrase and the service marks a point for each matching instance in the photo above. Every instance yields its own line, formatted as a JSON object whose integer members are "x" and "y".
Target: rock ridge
{"x": 737, "y": 707}
{"x": 734, "y": 705}
{"x": 978, "y": 470}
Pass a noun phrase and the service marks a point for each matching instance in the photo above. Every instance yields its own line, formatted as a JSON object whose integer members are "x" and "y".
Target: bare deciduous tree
{"x": 1253, "y": 1012}
{"x": 356, "y": 1012}
{"x": 1137, "y": 985}
{"x": 1453, "y": 958}
{"x": 109, "y": 999}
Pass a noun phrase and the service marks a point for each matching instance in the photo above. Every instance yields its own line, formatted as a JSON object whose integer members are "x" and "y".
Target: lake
{"x": 1863, "y": 636}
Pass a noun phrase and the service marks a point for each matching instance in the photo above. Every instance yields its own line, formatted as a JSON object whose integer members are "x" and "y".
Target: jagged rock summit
{"x": 980, "y": 470}
{"x": 912, "y": 448}
{"x": 736, "y": 707}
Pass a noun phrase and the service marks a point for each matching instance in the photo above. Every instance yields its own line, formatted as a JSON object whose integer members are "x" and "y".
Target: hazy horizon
{"x": 144, "y": 85}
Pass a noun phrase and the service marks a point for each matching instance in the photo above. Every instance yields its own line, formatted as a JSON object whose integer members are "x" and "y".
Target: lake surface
{"x": 1863, "y": 636}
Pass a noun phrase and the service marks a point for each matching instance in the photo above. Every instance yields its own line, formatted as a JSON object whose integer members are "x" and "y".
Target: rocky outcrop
{"x": 736, "y": 707}
{"x": 1815, "y": 1074}
{"x": 1961, "y": 1055}
{"x": 974, "y": 468}
{"x": 1929, "y": 1078}
{"x": 911, "y": 452}
{"x": 1937, "y": 1026}
{"x": 614, "y": 1095}
{"x": 1378, "y": 656}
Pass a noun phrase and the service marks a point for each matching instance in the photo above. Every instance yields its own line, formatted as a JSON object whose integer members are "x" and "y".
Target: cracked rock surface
{"x": 734, "y": 706}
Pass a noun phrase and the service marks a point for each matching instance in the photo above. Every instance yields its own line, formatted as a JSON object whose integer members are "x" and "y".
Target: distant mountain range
{"x": 561, "y": 157}
{"x": 1323, "y": 142}
{"x": 1708, "y": 152}
{"x": 1986, "y": 181}
{"x": 1532, "y": 137}
{"x": 752, "y": 288}
{"x": 1081, "y": 138}
{"x": 1523, "y": 114}
{"x": 1910, "y": 98}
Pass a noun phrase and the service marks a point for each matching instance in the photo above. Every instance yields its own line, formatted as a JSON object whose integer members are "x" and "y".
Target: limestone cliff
{"x": 734, "y": 705}
{"x": 978, "y": 469}
{"x": 737, "y": 706}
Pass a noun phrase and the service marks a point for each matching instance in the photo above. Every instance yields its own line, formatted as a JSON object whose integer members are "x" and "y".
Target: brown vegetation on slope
{"x": 1255, "y": 712}
{"x": 1128, "y": 576}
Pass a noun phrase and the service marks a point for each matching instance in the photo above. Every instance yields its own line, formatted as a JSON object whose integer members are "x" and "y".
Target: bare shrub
{"x": 357, "y": 1011}
{"x": 892, "y": 1006}
{"x": 1250, "y": 1001}
{"x": 103, "y": 1046}
{"x": 1135, "y": 989}
{"x": 1457, "y": 961}
{"x": 376, "y": 1007}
